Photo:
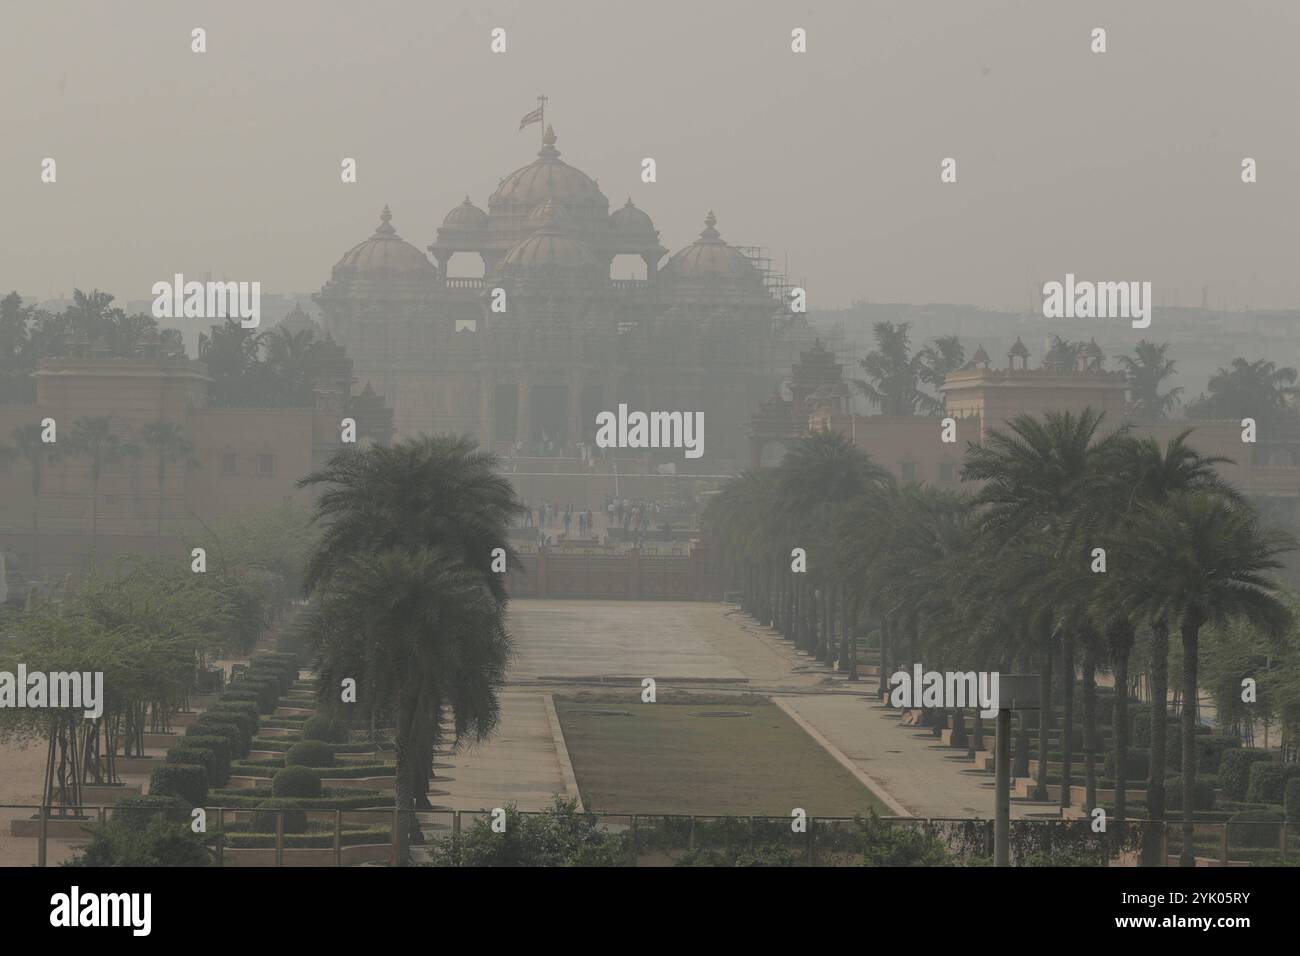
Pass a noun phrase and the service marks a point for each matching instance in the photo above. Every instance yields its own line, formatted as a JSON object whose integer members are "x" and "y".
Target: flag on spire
{"x": 530, "y": 118}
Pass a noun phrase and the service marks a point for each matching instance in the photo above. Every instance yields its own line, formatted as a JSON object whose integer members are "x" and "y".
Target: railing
{"x": 250, "y": 836}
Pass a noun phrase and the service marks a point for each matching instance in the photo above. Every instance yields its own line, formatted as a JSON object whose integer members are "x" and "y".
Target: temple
{"x": 526, "y": 356}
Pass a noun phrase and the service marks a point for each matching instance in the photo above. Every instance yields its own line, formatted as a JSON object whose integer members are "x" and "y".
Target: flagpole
{"x": 542, "y": 100}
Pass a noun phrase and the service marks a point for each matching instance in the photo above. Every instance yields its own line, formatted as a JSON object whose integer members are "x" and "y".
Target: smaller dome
{"x": 549, "y": 248}
{"x": 631, "y": 221}
{"x": 466, "y": 216}
{"x": 709, "y": 258}
{"x": 385, "y": 251}
{"x": 1018, "y": 349}
{"x": 980, "y": 357}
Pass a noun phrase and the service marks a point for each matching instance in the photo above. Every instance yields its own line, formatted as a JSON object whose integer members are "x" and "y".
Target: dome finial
{"x": 385, "y": 227}
{"x": 548, "y": 138}
{"x": 709, "y": 222}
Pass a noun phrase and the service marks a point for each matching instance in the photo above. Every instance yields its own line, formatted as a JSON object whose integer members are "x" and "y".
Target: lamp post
{"x": 1015, "y": 692}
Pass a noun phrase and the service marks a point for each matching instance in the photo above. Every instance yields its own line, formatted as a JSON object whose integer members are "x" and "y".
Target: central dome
{"x": 549, "y": 178}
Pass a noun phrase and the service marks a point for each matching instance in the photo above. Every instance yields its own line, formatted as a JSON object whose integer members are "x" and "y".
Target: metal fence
{"x": 31, "y": 835}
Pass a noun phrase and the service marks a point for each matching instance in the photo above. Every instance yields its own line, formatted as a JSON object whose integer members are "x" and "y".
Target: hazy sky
{"x": 1119, "y": 166}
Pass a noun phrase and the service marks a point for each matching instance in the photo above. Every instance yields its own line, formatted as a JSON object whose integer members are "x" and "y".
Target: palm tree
{"x": 820, "y": 471}
{"x": 38, "y": 454}
{"x": 893, "y": 374}
{"x": 1200, "y": 558}
{"x": 424, "y": 632}
{"x": 941, "y": 357}
{"x": 1259, "y": 390}
{"x": 1143, "y": 473}
{"x": 1039, "y": 478}
{"x": 439, "y": 495}
{"x": 1147, "y": 370}
{"x": 93, "y": 439}
{"x": 168, "y": 442}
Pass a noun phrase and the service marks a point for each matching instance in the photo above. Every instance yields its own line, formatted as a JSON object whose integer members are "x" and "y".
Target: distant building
{"x": 244, "y": 459}
{"x": 979, "y": 398}
{"x": 708, "y": 330}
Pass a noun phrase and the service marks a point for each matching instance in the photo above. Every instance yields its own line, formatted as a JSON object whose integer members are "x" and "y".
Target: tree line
{"x": 1006, "y": 578}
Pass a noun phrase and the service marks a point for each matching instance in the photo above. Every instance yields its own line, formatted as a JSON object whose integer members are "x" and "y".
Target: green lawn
{"x": 662, "y": 760}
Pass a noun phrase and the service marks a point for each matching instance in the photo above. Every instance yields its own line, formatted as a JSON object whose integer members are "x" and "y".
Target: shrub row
{"x": 339, "y": 772}
{"x": 331, "y": 798}
{"x": 1268, "y": 781}
{"x": 1234, "y": 770}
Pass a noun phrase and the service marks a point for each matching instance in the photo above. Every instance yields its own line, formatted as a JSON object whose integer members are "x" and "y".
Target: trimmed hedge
{"x": 137, "y": 812}
{"x": 1291, "y": 800}
{"x": 266, "y": 688}
{"x": 189, "y": 782}
{"x": 1264, "y": 834}
{"x": 216, "y": 725}
{"x": 310, "y": 753}
{"x": 296, "y": 782}
{"x": 331, "y": 798}
{"x": 214, "y": 728}
{"x": 282, "y": 744}
{"x": 223, "y": 753}
{"x": 1210, "y": 751}
{"x": 1202, "y": 794}
{"x": 248, "y": 696}
{"x": 1268, "y": 781}
{"x": 329, "y": 729}
{"x": 1137, "y": 760}
{"x": 199, "y": 757}
{"x": 268, "y": 768}
{"x": 352, "y": 835}
{"x": 1234, "y": 770}
{"x": 295, "y": 818}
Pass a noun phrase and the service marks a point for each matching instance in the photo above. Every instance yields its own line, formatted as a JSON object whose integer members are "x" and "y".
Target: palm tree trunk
{"x": 1067, "y": 716}
{"x": 1159, "y": 641}
{"x": 884, "y": 658}
{"x": 1044, "y": 713}
{"x": 1191, "y": 630}
{"x": 851, "y": 635}
{"x": 162, "y": 482}
{"x": 1089, "y": 726}
{"x": 1121, "y": 733}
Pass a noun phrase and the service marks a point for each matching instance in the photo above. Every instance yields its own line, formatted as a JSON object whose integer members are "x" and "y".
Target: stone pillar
{"x": 651, "y": 265}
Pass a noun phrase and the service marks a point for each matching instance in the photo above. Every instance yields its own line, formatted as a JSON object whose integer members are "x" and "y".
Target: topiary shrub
{"x": 137, "y": 812}
{"x": 267, "y": 689}
{"x": 199, "y": 757}
{"x": 1291, "y": 799}
{"x": 1137, "y": 759}
{"x": 1255, "y": 829}
{"x": 329, "y": 729}
{"x": 295, "y": 821}
{"x": 1234, "y": 770}
{"x": 1210, "y": 751}
{"x": 246, "y": 696}
{"x": 309, "y": 753}
{"x": 223, "y": 753}
{"x": 187, "y": 781}
{"x": 1202, "y": 794}
{"x": 296, "y": 781}
{"x": 1268, "y": 781}
{"x": 154, "y": 844}
{"x": 217, "y": 725}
